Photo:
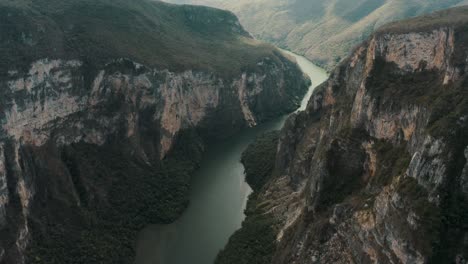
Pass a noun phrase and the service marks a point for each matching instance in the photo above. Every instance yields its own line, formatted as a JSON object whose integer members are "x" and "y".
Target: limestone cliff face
{"x": 105, "y": 107}
{"x": 374, "y": 171}
{"x": 58, "y": 103}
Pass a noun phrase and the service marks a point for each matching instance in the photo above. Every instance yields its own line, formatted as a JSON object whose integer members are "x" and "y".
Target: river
{"x": 218, "y": 198}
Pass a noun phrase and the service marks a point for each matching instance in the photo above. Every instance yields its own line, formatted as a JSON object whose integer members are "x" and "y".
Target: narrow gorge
{"x": 139, "y": 131}
{"x": 218, "y": 195}
{"x": 103, "y": 121}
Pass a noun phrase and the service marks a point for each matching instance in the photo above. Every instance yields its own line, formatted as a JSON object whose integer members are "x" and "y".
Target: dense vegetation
{"x": 323, "y": 31}
{"x": 90, "y": 201}
{"x": 259, "y": 159}
{"x": 255, "y": 242}
{"x": 127, "y": 195}
{"x": 429, "y": 216}
{"x": 392, "y": 161}
{"x": 429, "y": 219}
{"x": 448, "y": 104}
{"x": 454, "y": 17}
{"x": 450, "y": 109}
{"x": 149, "y": 32}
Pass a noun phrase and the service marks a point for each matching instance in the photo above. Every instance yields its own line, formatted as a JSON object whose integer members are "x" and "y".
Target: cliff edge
{"x": 105, "y": 108}
{"x": 375, "y": 170}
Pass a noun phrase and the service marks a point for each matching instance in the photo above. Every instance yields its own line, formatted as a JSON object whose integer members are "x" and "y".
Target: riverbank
{"x": 218, "y": 198}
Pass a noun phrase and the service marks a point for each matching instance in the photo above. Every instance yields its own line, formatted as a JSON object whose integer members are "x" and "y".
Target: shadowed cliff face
{"x": 374, "y": 171}
{"x": 96, "y": 143}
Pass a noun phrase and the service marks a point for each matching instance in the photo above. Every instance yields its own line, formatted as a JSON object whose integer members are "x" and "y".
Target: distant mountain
{"x": 324, "y": 31}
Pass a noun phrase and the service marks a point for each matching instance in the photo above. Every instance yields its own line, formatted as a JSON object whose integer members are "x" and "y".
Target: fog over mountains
{"x": 324, "y": 31}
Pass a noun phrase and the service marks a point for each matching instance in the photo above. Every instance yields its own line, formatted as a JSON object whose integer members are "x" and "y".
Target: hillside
{"x": 376, "y": 169}
{"x": 323, "y": 31}
{"x": 153, "y": 33}
{"x": 106, "y": 107}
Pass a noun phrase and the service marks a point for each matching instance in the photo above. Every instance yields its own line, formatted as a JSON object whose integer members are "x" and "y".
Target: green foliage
{"x": 450, "y": 17}
{"x": 128, "y": 194}
{"x": 388, "y": 83}
{"x": 254, "y": 243}
{"x": 454, "y": 202}
{"x": 325, "y": 31}
{"x": 448, "y": 107}
{"x": 392, "y": 161}
{"x": 259, "y": 159}
{"x": 353, "y": 11}
{"x": 428, "y": 215}
{"x": 149, "y": 32}
{"x": 344, "y": 164}
{"x": 454, "y": 227}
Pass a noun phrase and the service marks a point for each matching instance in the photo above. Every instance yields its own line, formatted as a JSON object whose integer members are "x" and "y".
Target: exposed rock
{"x": 89, "y": 137}
{"x": 377, "y": 162}
{"x": 50, "y": 104}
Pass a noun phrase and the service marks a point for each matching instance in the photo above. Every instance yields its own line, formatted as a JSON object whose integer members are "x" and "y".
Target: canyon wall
{"x": 374, "y": 171}
{"x": 144, "y": 110}
{"x": 99, "y": 138}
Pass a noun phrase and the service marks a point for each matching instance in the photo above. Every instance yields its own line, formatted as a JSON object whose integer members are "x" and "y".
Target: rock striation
{"x": 374, "y": 171}
{"x": 95, "y": 146}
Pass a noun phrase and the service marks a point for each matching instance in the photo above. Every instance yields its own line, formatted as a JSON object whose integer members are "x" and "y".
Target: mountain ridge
{"x": 322, "y": 31}
{"x": 141, "y": 37}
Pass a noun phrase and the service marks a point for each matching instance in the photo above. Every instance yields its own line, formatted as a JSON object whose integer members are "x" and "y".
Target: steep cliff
{"x": 105, "y": 107}
{"x": 374, "y": 171}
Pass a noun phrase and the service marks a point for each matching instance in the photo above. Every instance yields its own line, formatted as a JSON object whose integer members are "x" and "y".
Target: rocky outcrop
{"x": 374, "y": 170}
{"x": 50, "y": 105}
{"x": 92, "y": 150}
{"x": 52, "y": 97}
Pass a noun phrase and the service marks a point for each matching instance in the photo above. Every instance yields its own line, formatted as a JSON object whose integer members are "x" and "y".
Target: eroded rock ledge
{"x": 64, "y": 131}
{"x": 374, "y": 171}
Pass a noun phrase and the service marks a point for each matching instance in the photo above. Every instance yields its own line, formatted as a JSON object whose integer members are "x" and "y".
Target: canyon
{"x": 218, "y": 195}
{"x": 102, "y": 128}
{"x": 112, "y": 113}
{"x": 374, "y": 170}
